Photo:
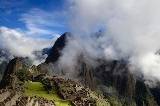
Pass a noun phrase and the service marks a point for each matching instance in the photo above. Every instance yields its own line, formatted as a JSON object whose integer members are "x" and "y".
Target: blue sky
{"x": 44, "y": 18}
{"x": 31, "y": 25}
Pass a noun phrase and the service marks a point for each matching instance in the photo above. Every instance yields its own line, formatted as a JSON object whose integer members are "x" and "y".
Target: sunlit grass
{"x": 36, "y": 89}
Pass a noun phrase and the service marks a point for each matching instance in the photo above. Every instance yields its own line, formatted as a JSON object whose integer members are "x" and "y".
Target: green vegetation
{"x": 114, "y": 101}
{"x": 23, "y": 74}
{"x": 100, "y": 101}
{"x": 36, "y": 89}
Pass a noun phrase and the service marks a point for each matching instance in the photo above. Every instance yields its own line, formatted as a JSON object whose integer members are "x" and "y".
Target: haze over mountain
{"x": 130, "y": 29}
{"x": 125, "y": 30}
{"x": 108, "y": 46}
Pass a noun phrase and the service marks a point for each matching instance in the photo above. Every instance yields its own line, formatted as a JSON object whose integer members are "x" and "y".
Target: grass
{"x": 99, "y": 100}
{"x": 36, "y": 89}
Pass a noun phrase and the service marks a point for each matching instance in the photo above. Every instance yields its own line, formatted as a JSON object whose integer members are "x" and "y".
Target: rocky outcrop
{"x": 5, "y": 57}
{"x": 156, "y": 93}
{"x": 74, "y": 92}
{"x": 9, "y": 97}
{"x": 86, "y": 74}
{"x": 33, "y": 101}
{"x": 130, "y": 90}
{"x": 3, "y": 65}
{"x": 9, "y": 78}
{"x": 113, "y": 75}
{"x": 116, "y": 74}
{"x": 143, "y": 95}
{"x": 42, "y": 68}
{"x": 55, "y": 51}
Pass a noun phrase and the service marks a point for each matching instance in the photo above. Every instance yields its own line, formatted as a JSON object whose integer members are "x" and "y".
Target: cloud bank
{"x": 130, "y": 29}
{"x": 40, "y": 31}
{"x": 19, "y": 44}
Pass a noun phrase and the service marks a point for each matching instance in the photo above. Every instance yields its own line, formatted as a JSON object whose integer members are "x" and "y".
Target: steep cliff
{"x": 9, "y": 77}
{"x": 55, "y": 51}
{"x": 113, "y": 78}
{"x": 3, "y": 66}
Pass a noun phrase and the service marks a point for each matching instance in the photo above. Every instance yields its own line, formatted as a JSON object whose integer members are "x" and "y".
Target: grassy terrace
{"x": 36, "y": 89}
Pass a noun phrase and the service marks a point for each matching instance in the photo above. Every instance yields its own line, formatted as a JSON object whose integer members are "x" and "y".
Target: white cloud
{"x": 132, "y": 29}
{"x": 19, "y": 44}
{"x": 41, "y": 29}
{"x": 39, "y": 22}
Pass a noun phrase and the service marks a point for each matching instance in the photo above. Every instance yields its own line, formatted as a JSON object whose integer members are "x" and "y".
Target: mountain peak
{"x": 55, "y": 51}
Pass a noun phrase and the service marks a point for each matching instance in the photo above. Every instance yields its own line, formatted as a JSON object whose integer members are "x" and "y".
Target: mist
{"x": 126, "y": 29}
{"x": 17, "y": 44}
